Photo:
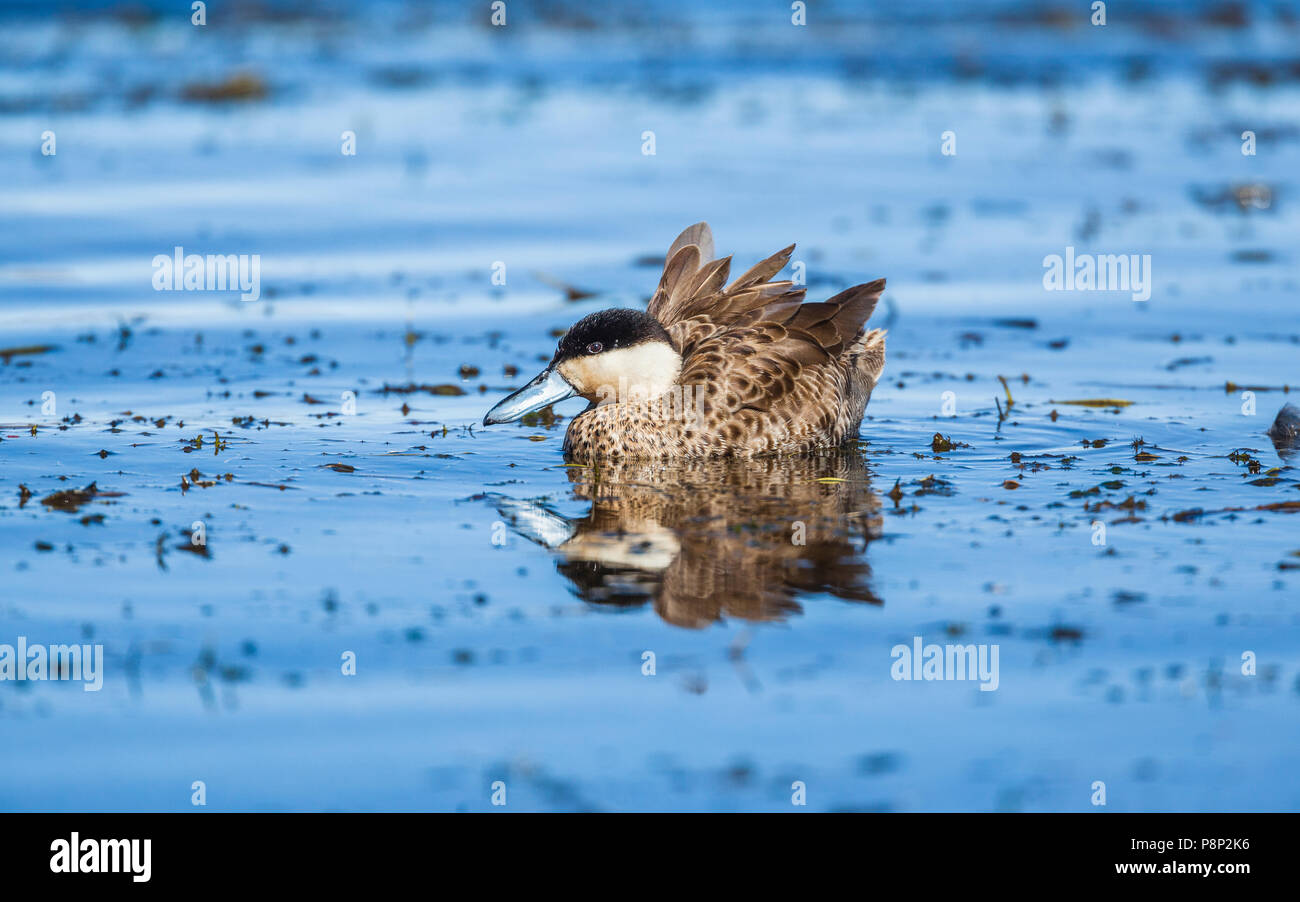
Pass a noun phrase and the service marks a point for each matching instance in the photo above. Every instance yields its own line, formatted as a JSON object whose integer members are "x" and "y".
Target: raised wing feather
{"x": 756, "y": 342}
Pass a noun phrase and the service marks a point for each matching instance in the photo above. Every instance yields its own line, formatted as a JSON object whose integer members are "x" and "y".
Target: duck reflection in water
{"x": 707, "y": 539}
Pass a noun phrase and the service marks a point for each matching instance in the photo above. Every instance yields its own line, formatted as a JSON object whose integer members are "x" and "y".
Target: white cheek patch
{"x": 639, "y": 373}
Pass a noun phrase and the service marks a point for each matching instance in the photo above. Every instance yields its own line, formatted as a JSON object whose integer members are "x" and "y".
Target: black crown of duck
{"x": 713, "y": 371}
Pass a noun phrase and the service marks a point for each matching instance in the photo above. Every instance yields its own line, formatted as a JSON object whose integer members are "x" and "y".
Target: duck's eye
{"x": 595, "y": 347}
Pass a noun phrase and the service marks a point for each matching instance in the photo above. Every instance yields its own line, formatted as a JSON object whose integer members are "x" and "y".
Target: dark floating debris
{"x": 1254, "y": 255}
{"x": 1241, "y": 197}
{"x": 200, "y": 549}
{"x": 1231, "y": 388}
{"x": 896, "y": 493}
{"x": 1188, "y": 361}
{"x": 1095, "y": 402}
{"x": 1277, "y": 507}
{"x": 571, "y": 292}
{"x": 7, "y": 354}
{"x": 71, "y": 500}
{"x": 933, "y": 485}
{"x": 411, "y": 388}
{"x": 242, "y": 86}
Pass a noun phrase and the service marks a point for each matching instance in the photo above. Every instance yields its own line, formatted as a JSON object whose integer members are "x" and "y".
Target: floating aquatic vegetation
{"x": 1279, "y": 507}
{"x": 1243, "y": 197}
{"x": 239, "y": 87}
{"x": 411, "y": 388}
{"x": 933, "y": 485}
{"x": 571, "y": 292}
{"x": 1096, "y": 402}
{"x": 8, "y": 354}
{"x": 71, "y": 500}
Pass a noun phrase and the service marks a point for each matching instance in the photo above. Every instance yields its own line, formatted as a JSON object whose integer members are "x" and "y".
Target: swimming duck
{"x": 708, "y": 371}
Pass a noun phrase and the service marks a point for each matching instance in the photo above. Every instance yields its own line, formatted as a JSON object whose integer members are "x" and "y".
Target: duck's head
{"x": 610, "y": 356}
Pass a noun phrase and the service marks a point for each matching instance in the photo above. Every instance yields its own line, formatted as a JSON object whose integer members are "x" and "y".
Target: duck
{"x": 711, "y": 369}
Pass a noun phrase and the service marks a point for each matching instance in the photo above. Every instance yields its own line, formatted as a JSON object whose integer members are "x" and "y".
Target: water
{"x": 500, "y": 605}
